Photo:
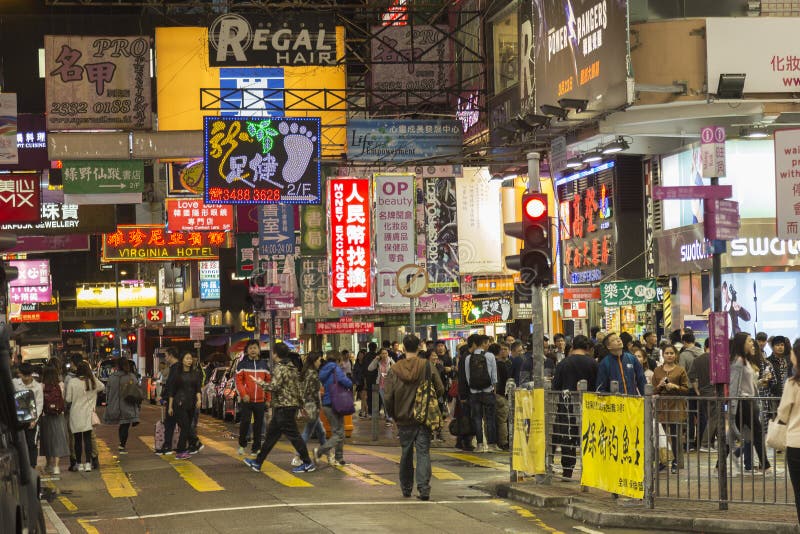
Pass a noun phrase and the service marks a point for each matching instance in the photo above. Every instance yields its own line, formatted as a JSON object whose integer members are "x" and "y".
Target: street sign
{"x": 719, "y": 362}
{"x": 154, "y": 315}
{"x": 576, "y": 309}
{"x": 721, "y": 219}
{"x": 712, "y": 151}
{"x": 96, "y": 177}
{"x": 688, "y": 192}
{"x": 275, "y": 230}
{"x": 412, "y": 280}
{"x": 345, "y": 325}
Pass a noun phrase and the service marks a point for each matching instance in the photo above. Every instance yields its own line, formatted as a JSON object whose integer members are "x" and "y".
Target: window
{"x": 505, "y": 48}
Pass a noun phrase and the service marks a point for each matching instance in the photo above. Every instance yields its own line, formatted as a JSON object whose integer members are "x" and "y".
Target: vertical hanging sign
{"x": 441, "y": 234}
{"x": 350, "y": 243}
{"x": 394, "y": 233}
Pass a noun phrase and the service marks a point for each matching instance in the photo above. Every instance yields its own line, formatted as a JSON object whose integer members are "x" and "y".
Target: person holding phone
{"x": 670, "y": 380}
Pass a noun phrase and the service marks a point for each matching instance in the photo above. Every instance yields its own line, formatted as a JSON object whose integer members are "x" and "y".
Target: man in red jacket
{"x": 249, "y": 372}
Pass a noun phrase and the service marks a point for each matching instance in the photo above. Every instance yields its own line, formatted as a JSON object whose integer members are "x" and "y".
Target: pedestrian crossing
{"x": 188, "y": 471}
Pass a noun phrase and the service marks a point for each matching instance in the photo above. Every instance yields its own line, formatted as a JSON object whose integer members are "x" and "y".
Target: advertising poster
{"x": 528, "y": 453}
{"x": 628, "y": 293}
{"x": 98, "y": 83}
{"x": 209, "y": 280}
{"x": 33, "y": 313}
{"x": 699, "y": 326}
{"x": 488, "y": 310}
{"x": 275, "y": 230}
{"x": 480, "y": 223}
{"x": 194, "y": 214}
{"x": 411, "y": 65}
{"x": 394, "y": 233}
{"x": 20, "y": 198}
{"x": 131, "y": 295}
{"x": 150, "y": 242}
{"x": 262, "y": 161}
{"x": 312, "y": 281}
{"x": 32, "y": 283}
{"x": 350, "y": 242}
{"x": 185, "y": 178}
{"x": 768, "y": 302}
{"x": 8, "y": 129}
{"x": 581, "y": 51}
{"x": 787, "y": 183}
{"x": 441, "y": 234}
{"x": 612, "y": 444}
{"x": 313, "y": 239}
{"x": 391, "y": 140}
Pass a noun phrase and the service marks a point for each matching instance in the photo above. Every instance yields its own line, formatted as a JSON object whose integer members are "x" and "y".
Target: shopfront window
{"x": 505, "y": 47}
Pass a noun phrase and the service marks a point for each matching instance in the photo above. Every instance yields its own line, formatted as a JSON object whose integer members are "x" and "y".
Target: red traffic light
{"x": 534, "y": 206}
{"x": 110, "y": 335}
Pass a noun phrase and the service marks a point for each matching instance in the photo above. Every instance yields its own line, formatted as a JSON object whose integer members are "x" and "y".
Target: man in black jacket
{"x": 370, "y": 377}
{"x": 577, "y": 366}
{"x": 462, "y": 410}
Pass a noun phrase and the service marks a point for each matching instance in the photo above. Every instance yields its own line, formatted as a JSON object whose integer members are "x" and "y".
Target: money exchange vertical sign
{"x": 350, "y": 242}
{"x": 394, "y": 233}
{"x": 441, "y": 234}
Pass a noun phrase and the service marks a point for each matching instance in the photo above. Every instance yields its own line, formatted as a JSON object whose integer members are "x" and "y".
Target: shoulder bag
{"x": 776, "y": 435}
{"x": 341, "y": 398}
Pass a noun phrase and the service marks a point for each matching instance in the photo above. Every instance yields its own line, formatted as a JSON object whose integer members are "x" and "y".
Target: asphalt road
{"x": 216, "y": 493}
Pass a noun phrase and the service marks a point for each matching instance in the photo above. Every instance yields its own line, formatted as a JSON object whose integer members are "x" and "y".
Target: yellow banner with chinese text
{"x": 529, "y": 443}
{"x": 612, "y": 444}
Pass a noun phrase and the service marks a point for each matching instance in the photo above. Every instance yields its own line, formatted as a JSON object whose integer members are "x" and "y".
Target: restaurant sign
{"x": 153, "y": 243}
{"x": 486, "y": 310}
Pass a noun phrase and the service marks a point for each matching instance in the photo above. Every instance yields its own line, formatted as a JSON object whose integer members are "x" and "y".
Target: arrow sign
{"x": 688, "y": 192}
{"x": 275, "y": 229}
{"x": 116, "y": 186}
{"x": 277, "y": 238}
{"x": 343, "y": 295}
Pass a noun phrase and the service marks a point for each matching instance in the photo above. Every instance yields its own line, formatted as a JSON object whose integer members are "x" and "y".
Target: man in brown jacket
{"x": 400, "y": 390}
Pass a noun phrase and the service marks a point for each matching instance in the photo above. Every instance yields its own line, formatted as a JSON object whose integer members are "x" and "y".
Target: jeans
{"x": 415, "y": 437}
{"x": 793, "y": 465}
{"x": 123, "y": 433}
{"x": 188, "y": 436}
{"x": 501, "y": 420}
{"x": 251, "y": 410}
{"x": 283, "y": 423}
{"x": 482, "y": 407}
{"x": 311, "y": 426}
{"x": 336, "y": 443}
{"x": 83, "y": 440}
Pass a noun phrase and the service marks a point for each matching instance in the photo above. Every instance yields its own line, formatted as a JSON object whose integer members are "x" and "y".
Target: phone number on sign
{"x": 241, "y": 194}
{"x": 77, "y": 108}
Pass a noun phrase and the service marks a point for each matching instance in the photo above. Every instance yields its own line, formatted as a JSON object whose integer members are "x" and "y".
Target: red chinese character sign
{"x": 588, "y": 252}
{"x": 259, "y": 160}
{"x": 153, "y": 243}
{"x": 350, "y": 243}
{"x": 97, "y": 82}
{"x": 19, "y": 198}
{"x": 194, "y": 214}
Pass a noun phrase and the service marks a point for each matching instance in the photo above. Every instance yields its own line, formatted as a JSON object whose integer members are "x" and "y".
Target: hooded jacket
{"x": 326, "y": 374}
{"x": 248, "y": 373}
{"x": 687, "y": 355}
{"x": 401, "y": 388}
{"x": 626, "y": 370}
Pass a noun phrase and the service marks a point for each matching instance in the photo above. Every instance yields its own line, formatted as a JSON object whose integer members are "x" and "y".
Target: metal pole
{"x": 649, "y": 447}
{"x": 118, "y": 334}
{"x": 513, "y": 474}
{"x": 413, "y": 315}
{"x": 537, "y": 312}
{"x": 722, "y": 445}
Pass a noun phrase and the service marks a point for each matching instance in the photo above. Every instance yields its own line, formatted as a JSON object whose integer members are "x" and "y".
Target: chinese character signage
{"x": 628, "y": 293}
{"x": 285, "y": 38}
{"x": 480, "y": 222}
{"x": 787, "y": 183}
{"x": 246, "y": 253}
{"x": 612, "y": 444}
{"x": 580, "y": 52}
{"x": 588, "y": 253}
{"x": 394, "y": 233}
{"x": 31, "y": 143}
{"x": 391, "y": 140}
{"x": 486, "y": 310}
{"x": 350, "y": 242}
{"x": 262, "y": 160}
{"x": 103, "y": 177}
{"x": 312, "y": 281}
{"x": 58, "y": 218}
{"x": 712, "y": 151}
{"x": 28, "y": 294}
{"x": 8, "y": 129}
{"x": 312, "y": 230}
{"x": 31, "y": 273}
{"x": 19, "y": 198}
{"x": 275, "y": 230}
{"x": 209, "y": 280}
{"x": 33, "y": 312}
{"x": 440, "y": 229}
{"x": 132, "y": 294}
{"x": 345, "y": 325}
{"x": 153, "y": 243}
{"x": 97, "y": 82}
{"x": 194, "y": 214}
{"x": 50, "y": 244}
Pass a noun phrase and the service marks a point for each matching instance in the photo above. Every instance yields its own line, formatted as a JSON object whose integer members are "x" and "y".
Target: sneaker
{"x": 495, "y": 448}
{"x": 338, "y": 462}
{"x": 74, "y": 468}
{"x": 122, "y": 450}
{"x": 252, "y": 464}
{"x": 162, "y": 452}
{"x": 406, "y": 493}
{"x": 296, "y": 461}
{"x": 197, "y": 449}
{"x": 56, "y": 470}
{"x": 424, "y": 497}
{"x": 169, "y": 451}
{"x": 388, "y": 424}
{"x": 240, "y": 451}
{"x": 485, "y": 448}
{"x": 305, "y": 468}
{"x": 81, "y": 467}
{"x": 87, "y": 467}
{"x": 183, "y": 456}
{"x": 317, "y": 456}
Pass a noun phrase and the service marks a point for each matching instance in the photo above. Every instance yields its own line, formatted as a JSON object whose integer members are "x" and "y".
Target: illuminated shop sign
{"x": 132, "y": 294}
{"x": 350, "y": 242}
{"x": 153, "y": 243}
{"x": 19, "y": 198}
{"x": 486, "y": 310}
{"x": 194, "y": 214}
{"x": 590, "y": 248}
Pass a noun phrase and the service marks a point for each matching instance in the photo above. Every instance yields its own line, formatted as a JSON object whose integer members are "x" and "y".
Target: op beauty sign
{"x": 350, "y": 243}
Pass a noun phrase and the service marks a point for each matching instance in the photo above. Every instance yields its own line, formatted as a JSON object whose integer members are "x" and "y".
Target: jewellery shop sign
{"x": 628, "y": 293}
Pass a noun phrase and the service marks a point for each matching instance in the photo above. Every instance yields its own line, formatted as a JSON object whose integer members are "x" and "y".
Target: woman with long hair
{"x": 184, "y": 399}
{"x": 309, "y": 377}
{"x": 328, "y": 373}
{"x": 670, "y": 380}
{"x": 118, "y": 410}
{"x": 53, "y": 442}
{"x": 82, "y": 398}
{"x": 790, "y": 417}
{"x": 382, "y": 363}
{"x": 744, "y": 409}
{"x": 359, "y": 371}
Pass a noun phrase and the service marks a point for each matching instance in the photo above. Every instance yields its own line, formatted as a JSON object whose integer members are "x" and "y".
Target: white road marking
{"x": 56, "y": 521}
{"x": 289, "y": 505}
{"x": 586, "y": 530}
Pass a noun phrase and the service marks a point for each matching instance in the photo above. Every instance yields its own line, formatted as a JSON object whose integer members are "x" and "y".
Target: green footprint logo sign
{"x": 262, "y": 132}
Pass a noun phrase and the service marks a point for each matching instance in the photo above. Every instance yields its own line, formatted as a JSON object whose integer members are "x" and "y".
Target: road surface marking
{"x": 86, "y": 524}
{"x": 530, "y": 516}
{"x": 193, "y": 475}
{"x": 438, "y": 472}
{"x": 116, "y": 481}
{"x": 68, "y": 504}
{"x": 52, "y": 516}
{"x": 581, "y": 528}
{"x": 267, "y": 468}
{"x": 477, "y": 460}
{"x": 293, "y": 505}
{"x": 355, "y": 471}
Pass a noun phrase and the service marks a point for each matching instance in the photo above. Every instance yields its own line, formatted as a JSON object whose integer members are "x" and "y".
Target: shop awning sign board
{"x": 153, "y": 243}
{"x": 345, "y": 327}
{"x": 194, "y": 214}
{"x": 103, "y": 177}
{"x": 581, "y": 293}
{"x": 689, "y": 192}
{"x": 628, "y": 293}
{"x": 20, "y": 198}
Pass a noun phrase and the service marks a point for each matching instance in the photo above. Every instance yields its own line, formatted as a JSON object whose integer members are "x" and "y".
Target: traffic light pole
{"x": 537, "y": 312}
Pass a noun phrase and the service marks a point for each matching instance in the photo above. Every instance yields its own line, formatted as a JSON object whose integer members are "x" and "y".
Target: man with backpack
{"x": 481, "y": 373}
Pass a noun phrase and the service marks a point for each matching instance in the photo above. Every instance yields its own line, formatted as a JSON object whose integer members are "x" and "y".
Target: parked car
{"x": 209, "y": 391}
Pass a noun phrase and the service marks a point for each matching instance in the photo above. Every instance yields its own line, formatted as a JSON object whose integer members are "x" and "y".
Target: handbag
{"x": 453, "y": 391}
{"x": 426, "y": 405}
{"x": 95, "y": 418}
{"x": 341, "y": 398}
{"x": 131, "y": 392}
{"x": 776, "y": 435}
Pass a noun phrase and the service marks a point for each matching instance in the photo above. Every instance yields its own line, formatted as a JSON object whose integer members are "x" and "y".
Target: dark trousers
{"x": 83, "y": 441}
{"x": 283, "y": 422}
{"x": 415, "y": 437}
{"x": 368, "y": 387}
{"x": 123, "y": 433}
{"x": 169, "y": 430}
{"x": 747, "y": 415}
{"x": 251, "y": 410}
{"x": 693, "y": 421}
{"x": 482, "y": 406}
{"x": 461, "y": 410}
{"x": 188, "y": 436}
{"x": 30, "y": 440}
{"x": 793, "y": 464}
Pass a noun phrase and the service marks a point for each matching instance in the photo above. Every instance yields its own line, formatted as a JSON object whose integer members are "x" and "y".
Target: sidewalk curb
{"x": 580, "y": 509}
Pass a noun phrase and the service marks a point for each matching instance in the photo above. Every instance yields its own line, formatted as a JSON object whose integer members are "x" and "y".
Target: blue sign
{"x": 388, "y": 140}
{"x": 275, "y": 230}
{"x": 209, "y": 289}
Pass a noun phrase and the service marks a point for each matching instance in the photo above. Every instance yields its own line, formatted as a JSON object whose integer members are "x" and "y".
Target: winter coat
{"x": 247, "y": 373}
{"x": 326, "y": 374}
{"x": 118, "y": 410}
{"x": 286, "y": 388}
{"x": 671, "y": 410}
{"x": 82, "y": 403}
{"x": 625, "y": 369}
{"x": 401, "y": 388}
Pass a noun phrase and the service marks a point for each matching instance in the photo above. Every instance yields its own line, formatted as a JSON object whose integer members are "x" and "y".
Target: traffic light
{"x": 131, "y": 339}
{"x": 534, "y": 261}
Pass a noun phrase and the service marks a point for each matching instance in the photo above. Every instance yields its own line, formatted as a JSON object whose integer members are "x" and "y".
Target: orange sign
{"x": 153, "y": 243}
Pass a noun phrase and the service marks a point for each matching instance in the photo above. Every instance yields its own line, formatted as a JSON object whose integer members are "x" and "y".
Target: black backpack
{"x": 479, "y": 377}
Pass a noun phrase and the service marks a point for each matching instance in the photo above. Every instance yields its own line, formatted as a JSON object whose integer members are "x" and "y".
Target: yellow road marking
{"x": 355, "y": 471}
{"x": 116, "y": 481}
{"x": 477, "y": 460}
{"x": 68, "y": 504}
{"x": 438, "y": 472}
{"x": 88, "y": 527}
{"x": 267, "y": 468}
{"x": 530, "y": 516}
{"x": 193, "y": 475}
